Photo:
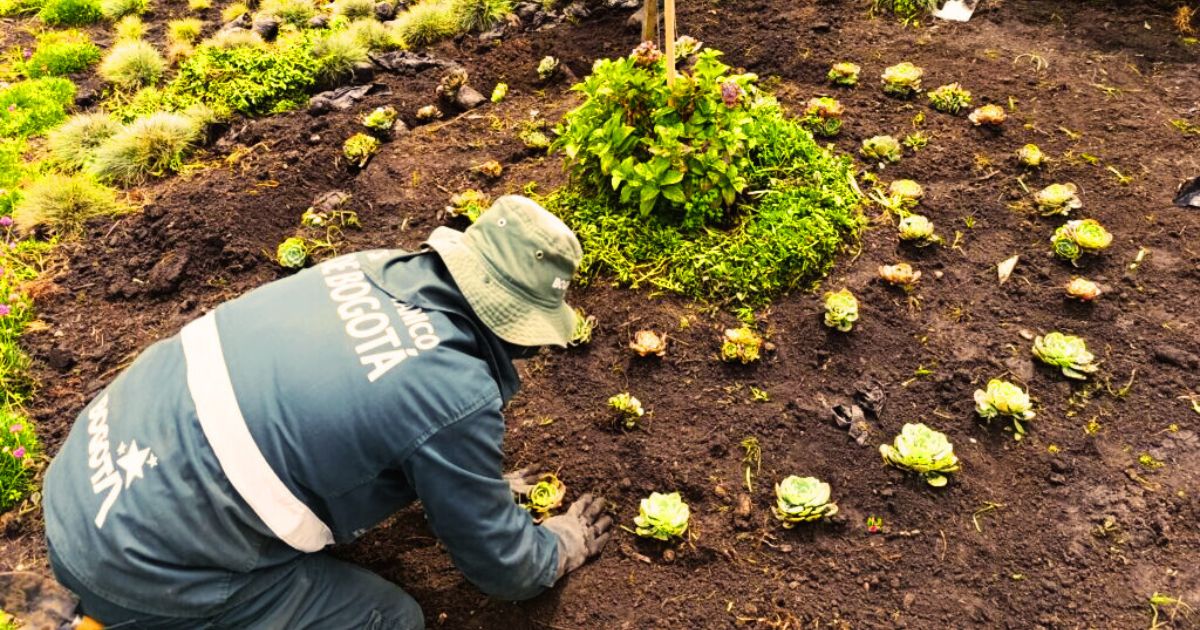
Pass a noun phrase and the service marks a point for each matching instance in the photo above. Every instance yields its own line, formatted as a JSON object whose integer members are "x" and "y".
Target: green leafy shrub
{"x": 150, "y": 146}
{"x": 197, "y": 6}
{"x": 60, "y": 53}
{"x": 30, "y": 107}
{"x": 70, "y": 12}
{"x": 19, "y": 449}
{"x": 133, "y": 64}
{"x": 185, "y": 31}
{"x": 905, "y": 9}
{"x": 74, "y": 144}
{"x": 480, "y": 15}
{"x": 117, "y": 9}
{"x": 662, "y": 516}
{"x": 294, "y": 12}
{"x": 12, "y": 168}
{"x": 245, "y": 80}
{"x": 62, "y": 204}
{"x": 426, "y": 22}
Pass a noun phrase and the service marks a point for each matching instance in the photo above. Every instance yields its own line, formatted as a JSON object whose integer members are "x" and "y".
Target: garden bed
{"x": 1064, "y": 529}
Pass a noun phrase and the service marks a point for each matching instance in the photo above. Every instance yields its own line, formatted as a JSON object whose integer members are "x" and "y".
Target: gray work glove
{"x": 582, "y": 532}
{"x": 522, "y": 481}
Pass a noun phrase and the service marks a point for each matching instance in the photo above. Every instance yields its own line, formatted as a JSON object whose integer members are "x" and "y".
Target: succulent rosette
{"x": 1078, "y": 237}
{"x": 545, "y": 496}
{"x": 740, "y": 345}
{"x": 1002, "y": 398}
{"x": 900, "y": 274}
{"x": 902, "y": 80}
{"x": 951, "y": 98}
{"x": 917, "y": 229}
{"x": 906, "y": 189}
{"x": 801, "y": 500}
{"x": 988, "y": 116}
{"x": 1057, "y": 199}
{"x": 628, "y": 409}
{"x": 292, "y": 253}
{"x": 1066, "y": 352}
{"x": 882, "y": 149}
{"x": 924, "y": 451}
{"x": 844, "y": 74}
{"x": 1031, "y": 155}
{"x": 841, "y": 310}
{"x": 1083, "y": 289}
{"x": 648, "y": 342}
{"x": 662, "y": 517}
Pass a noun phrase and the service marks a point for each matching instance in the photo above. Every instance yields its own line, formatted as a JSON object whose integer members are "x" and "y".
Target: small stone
{"x": 625, "y": 483}
{"x": 909, "y": 600}
{"x": 384, "y": 11}
{"x": 319, "y": 21}
{"x": 1178, "y": 357}
{"x": 363, "y": 72}
{"x": 821, "y": 27}
{"x": 744, "y": 506}
{"x": 319, "y": 106}
{"x": 785, "y": 549}
{"x": 1057, "y": 479}
{"x": 469, "y": 98}
{"x": 267, "y": 27}
{"x": 668, "y": 555}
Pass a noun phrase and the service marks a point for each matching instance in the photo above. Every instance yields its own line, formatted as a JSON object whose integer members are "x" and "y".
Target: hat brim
{"x": 512, "y": 318}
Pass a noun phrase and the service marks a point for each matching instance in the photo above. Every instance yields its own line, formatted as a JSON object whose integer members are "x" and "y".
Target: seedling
{"x": 292, "y": 253}
{"x": 499, "y": 92}
{"x": 841, "y": 310}
{"x": 547, "y": 68}
{"x": 918, "y": 230}
{"x": 1057, "y": 199}
{"x": 1161, "y": 599}
{"x": 1031, "y": 156}
{"x": 648, "y": 342}
{"x": 628, "y": 409}
{"x": 545, "y": 496}
{"x": 801, "y": 500}
{"x": 902, "y": 80}
{"x": 380, "y": 119}
{"x": 874, "y": 524}
{"x": 662, "y": 517}
{"x": 900, "y": 274}
{"x": 469, "y": 203}
{"x": 1002, "y": 398}
{"x": 844, "y": 74}
{"x": 916, "y": 140}
{"x": 741, "y": 345}
{"x": 1083, "y": 289}
{"x": 751, "y": 461}
{"x": 823, "y": 116}
{"x": 988, "y": 116}
{"x": 1079, "y": 237}
{"x": 1067, "y": 352}
{"x": 882, "y": 149}
{"x": 585, "y": 325}
{"x": 951, "y": 98}
{"x": 359, "y": 149}
{"x": 924, "y": 451}
{"x": 1150, "y": 462}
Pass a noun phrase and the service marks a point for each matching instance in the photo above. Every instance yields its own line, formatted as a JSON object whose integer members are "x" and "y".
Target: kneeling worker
{"x": 199, "y": 489}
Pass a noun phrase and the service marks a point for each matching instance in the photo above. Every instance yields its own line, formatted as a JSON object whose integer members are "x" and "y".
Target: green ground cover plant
{"x": 70, "y": 12}
{"x": 60, "y": 53}
{"x": 30, "y": 107}
{"x": 247, "y": 81}
{"x": 707, "y": 189}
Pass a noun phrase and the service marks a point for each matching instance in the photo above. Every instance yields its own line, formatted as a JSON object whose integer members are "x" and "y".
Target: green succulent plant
{"x": 1075, "y": 238}
{"x": 1031, "y": 156}
{"x": 741, "y": 345}
{"x": 545, "y": 496}
{"x": 359, "y": 149}
{"x": 902, "y": 80}
{"x": 882, "y": 149}
{"x": 629, "y": 409}
{"x": 841, "y": 310}
{"x": 1067, "y": 352}
{"x": 547, "y": 68}
{"x": 662, "y": 517}
{"x": 922, "y": 450}
{"x": 802, "y": 499}
{"x": 1057, "y": 199}
{"x": 951, "y": 98}
{"x": 918, "y": 230}
{"x": 823, "y": 116}
{"x": 292, "y": 253}
{"x": 844, "y": 74}
{"x": 499, "y": 92}
{"x": 585, "y": 325}
{"x": 380, "y": 119}
{"x": 1002, "y": 398}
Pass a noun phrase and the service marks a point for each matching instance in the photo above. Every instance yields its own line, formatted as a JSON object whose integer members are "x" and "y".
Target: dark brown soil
{"x": 1078, "y": 534}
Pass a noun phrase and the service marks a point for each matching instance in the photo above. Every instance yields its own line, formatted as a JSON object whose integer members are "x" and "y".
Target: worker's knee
{"x": 402, "y": 613}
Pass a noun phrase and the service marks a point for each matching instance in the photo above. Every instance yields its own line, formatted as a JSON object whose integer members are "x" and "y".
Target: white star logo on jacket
{"x": 133, "y": 461}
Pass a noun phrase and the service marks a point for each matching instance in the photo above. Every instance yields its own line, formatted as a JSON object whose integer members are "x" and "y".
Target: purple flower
{"x": 28, "y": 53}
{"x": 5, "y": 310}
{"x": 6, "y": 221}
{"x": 12, "y": 107}
{"x": 19, "y": 452}
{"x": 730, "y": 93}
{"x": 16, "y": 428}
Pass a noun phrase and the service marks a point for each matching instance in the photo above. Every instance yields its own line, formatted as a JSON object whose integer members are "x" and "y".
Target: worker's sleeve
{"x": 493, "y": 541}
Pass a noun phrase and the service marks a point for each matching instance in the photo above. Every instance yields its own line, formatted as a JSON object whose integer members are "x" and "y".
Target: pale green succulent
{"x": 545, "y": 496}
{"x": 662, "y": 516}
{"x": 907, "y": 190}
{"x": 844, "y": 74}
{"x": 1075, "y": 238}
{"x": 469, "y": 203}
{"x": 686, "y": 46}
{"x": 1067, "y": 352}
{"x": 924, "y": 451}
{"x": 380, "y": 119}
{"x": 802, "y": 499}
{"x": 292, "y": 253}
{"x": 499, "y": 92}
{"x": 841, "y": 310}
{"x": 629, "y": 409}
{"x": 584, "y": 326}
{"x": 1057, "y": 199}
{"x": 1002, "y": 398}
{"x": 1030, "y": 155}
{"x": 359, "y": 148}
{"x": 547, "y": 67}
{"x": 882, "y": 149}
{"x": 741, "y": 345}
{"x": 918, "y": 230}
{"x": 951, "y": 98}
{"x": 902, "y": 80}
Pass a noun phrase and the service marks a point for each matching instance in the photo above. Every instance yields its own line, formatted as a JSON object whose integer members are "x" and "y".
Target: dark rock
{"x": 167, "y": 273}
{"x": 1057, "y": 479}
{"x": 1176, "y": 356}
{"x": 576, "y": 11}
{"x": 319, "y": 105}
{"x": 623, "y": 4}
{"x": 408, "y": 63}
{"x": 384, "y": 11}
{"x": 1060, "y": 466}
{"x": 869, "y": 395}
{"x": 527, "y": 11}
{"x": 469, "y": 98}
{"x": 267, "y": 27}
{"x": 330, "y": 201}
{"x": 494, "y": 35}
{"x": 240, "y": 23}
{"x": 344, "y": 98}
{"x": 86, "y": 97}
{"x": 363, "y": 72}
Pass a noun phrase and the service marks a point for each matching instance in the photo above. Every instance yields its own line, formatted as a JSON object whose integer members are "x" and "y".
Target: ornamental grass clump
{"x": 902, "y": 80}
{"x": 924, "y": 451}
{"x": 662, "y": 517}
{"x": 1002, "y": 398}
{"x": 844, "y": 74}
{"x": 354, "y": 9}
{"x": 426, "y": 22}
{"x": 802, "y": 500}
{"x": 918, "y": 230}
{"x": 292, "y": 253}
{"x": 1076, "y": 238}
{"x": 841, "y": 310}
{"x": 150, "y": 146}
{"x": 117, "y": 9}
{"x": 73, "y": 145}
{"x": 951, "y": 98}
{"x": 648, "y": 343}
{"x": 60, "y": 53}
{"x": 133, "y": 64}
{"x": 336, "y": 53}
{"x": 545, "y": 496}
{"x": 360, "y": 148}
{"x": 130, "y": 28}
{"x": 294, "y": 12}
{"x": 480, "y": 15}
{"x": 823, "y": 116}
{"x": 882, "y": 149}
{"x": 1066, "y": 352}
{"x": 374, "y": 35}
{"x": 184, "y": 31}
{"x": 62, "y": 204}
{"x": 1057, "y": 199}
{"x": 741, "y": 345}
{"x": 628, "y": 410}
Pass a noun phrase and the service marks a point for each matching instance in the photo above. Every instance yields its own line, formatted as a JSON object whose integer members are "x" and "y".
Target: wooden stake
{"x": 650, "y": 23}
{"x": 669, "y": 37}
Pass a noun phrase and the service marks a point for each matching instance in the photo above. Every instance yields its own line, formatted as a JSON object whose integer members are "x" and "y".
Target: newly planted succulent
{"x": 1002, "y": 398}
{"x": 545, "y": 496}
{"x": 904, "y": 194}
{"x": 988, "y": 116}
{"x": 902, "y": 80}
{"x": 918, "y": 230}
{"x": 1057, "y": 199}
{"x": 802, "y": 499}
{"x": 629, "y": 409}
{"x": 882, "y": 149}
{"x": 1079, "y": 237}
{"x": 686, "y": 46}
{"x": 428, "y": 113}
{"x": 841, "y": 310}
{"x": 662, "y": 517}
{"x": 844, "y": 74}
{"x": 1031, "y": 156}
{"x": 924, "y": 451}
{"x": 359, "y": 149}
{"x": 648, "y": 342}
{"x": 380, "y": 119}
{"x": 823, "y": 116}
{"x": 499, "y": 92}
{"x": 900, "y": 274}
{"x": 469, "y": 203}
{"x": 585, "y": 325}
{"x": 292, "y": 253}
{"x": 951, "y": 98}
{"x": 1067, "y": 352}
{"x": 1083, "y": 289}
{"x": 547, "y": 68}
{"x": 741, "y": 345}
